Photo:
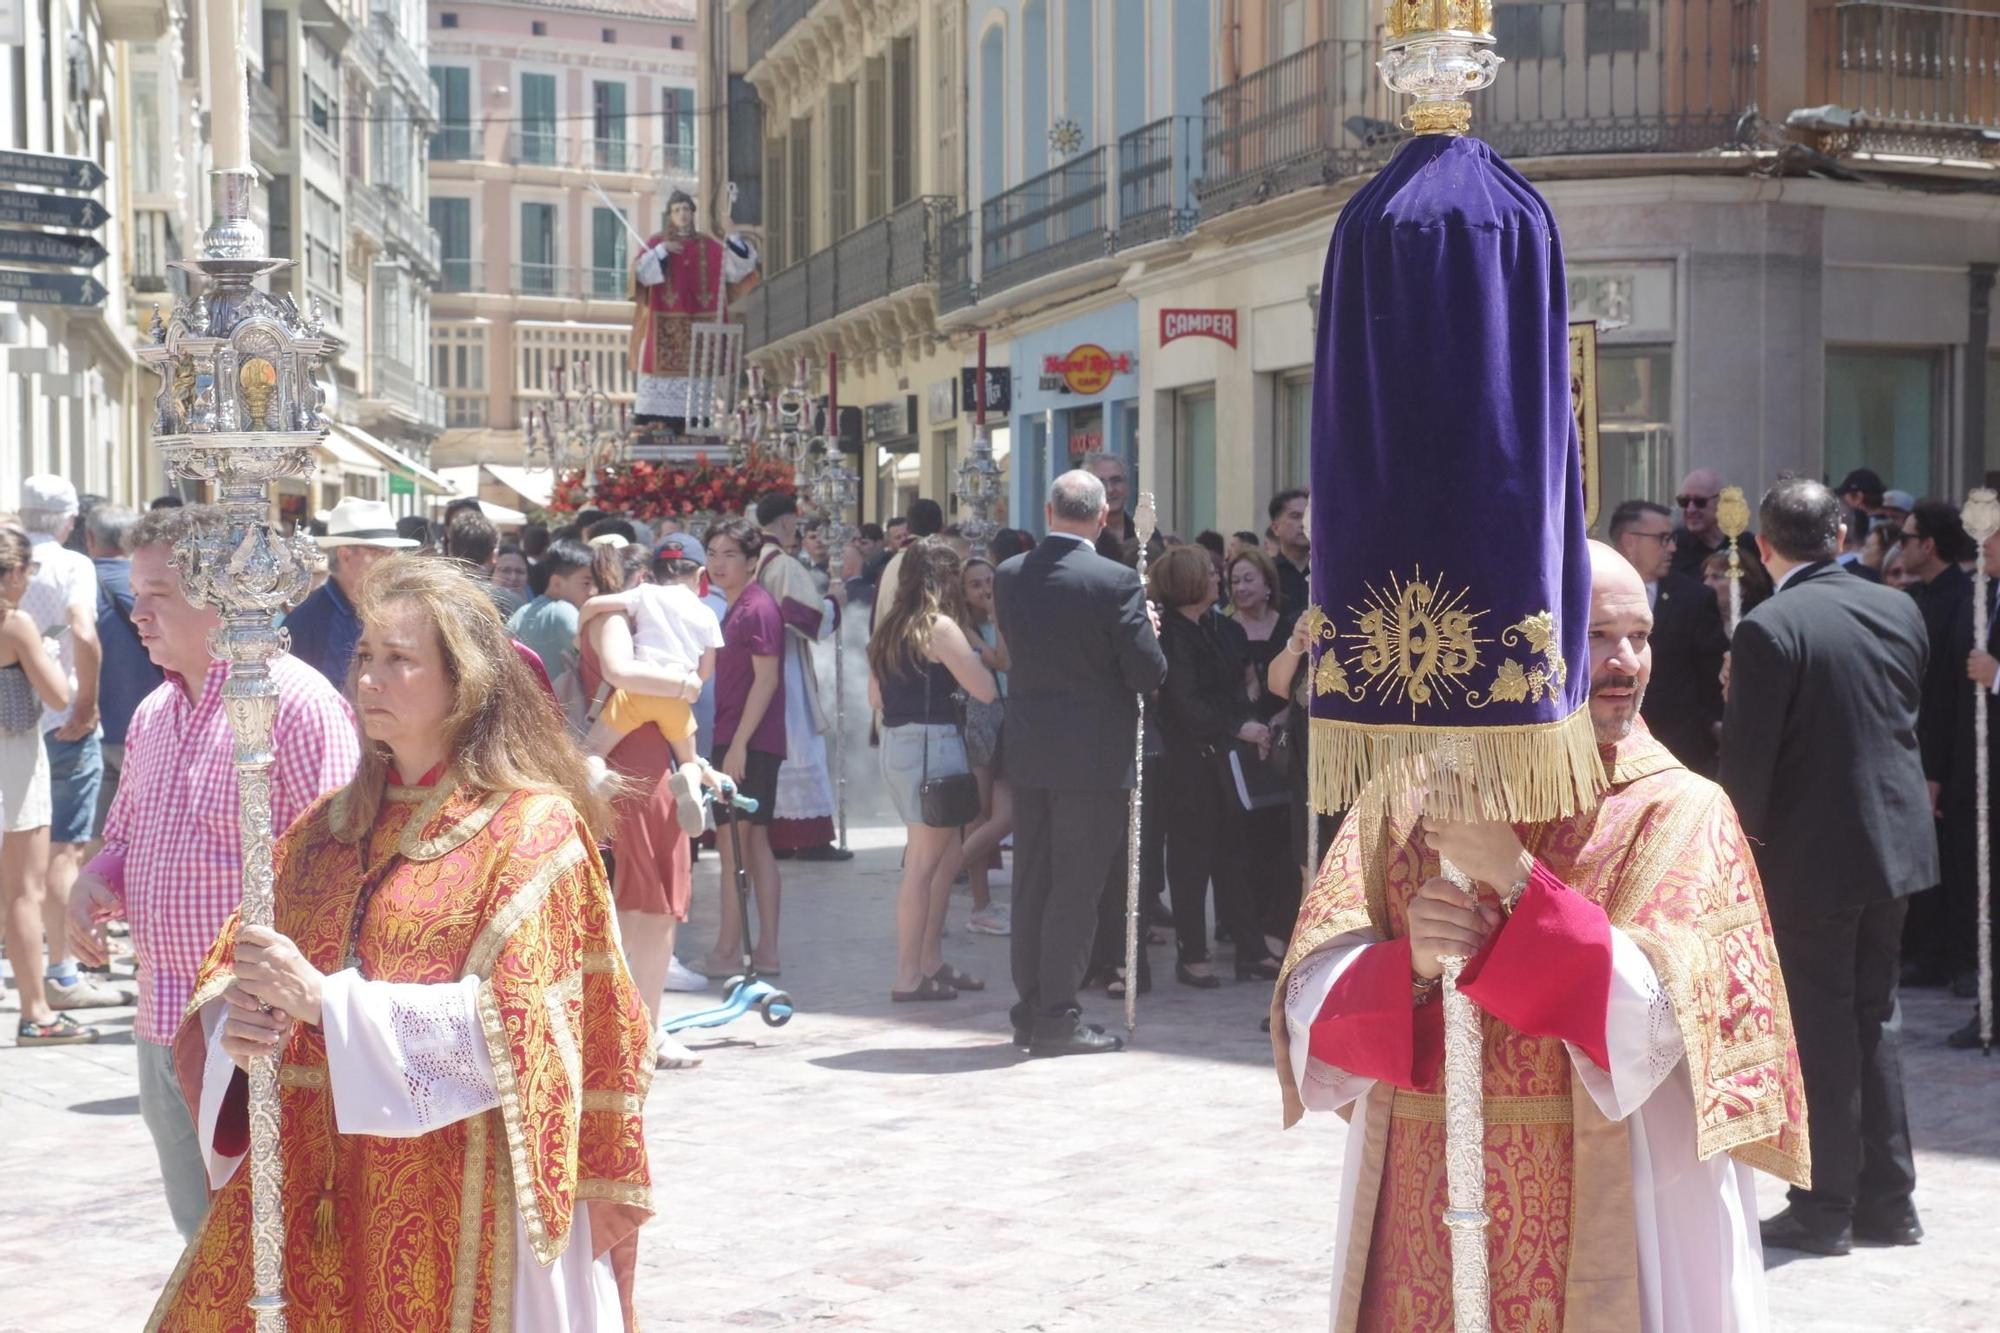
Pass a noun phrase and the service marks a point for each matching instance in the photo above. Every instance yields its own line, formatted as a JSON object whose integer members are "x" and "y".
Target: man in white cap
{"x": 325, "y": 627}
{"x": 62, "y": 601}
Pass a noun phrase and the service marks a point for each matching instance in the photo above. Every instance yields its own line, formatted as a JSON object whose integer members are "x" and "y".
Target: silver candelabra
{"x": 581, "y": 428}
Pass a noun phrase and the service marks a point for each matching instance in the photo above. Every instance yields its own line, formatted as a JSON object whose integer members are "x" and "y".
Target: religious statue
{"x": 681, "y": 278}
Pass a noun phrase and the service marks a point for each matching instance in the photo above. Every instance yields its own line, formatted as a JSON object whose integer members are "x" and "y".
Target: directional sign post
{"x": 21, "y": 209}
{"x": 41, "y": 288}
{"x": 34, "y": 247}
{"x": 49, "y": 171}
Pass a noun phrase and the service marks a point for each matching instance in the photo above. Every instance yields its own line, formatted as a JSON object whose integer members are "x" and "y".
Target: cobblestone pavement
{"x": 900, "y": 1168}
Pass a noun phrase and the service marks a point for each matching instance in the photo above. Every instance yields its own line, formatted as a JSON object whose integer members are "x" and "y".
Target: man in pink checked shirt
{"x": 171, "y": 863}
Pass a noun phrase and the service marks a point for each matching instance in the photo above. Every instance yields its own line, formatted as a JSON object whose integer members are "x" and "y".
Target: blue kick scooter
{"x": 746, "y": 991}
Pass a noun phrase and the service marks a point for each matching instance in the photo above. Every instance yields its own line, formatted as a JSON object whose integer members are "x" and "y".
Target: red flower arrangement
{"x": 655, "y": 490}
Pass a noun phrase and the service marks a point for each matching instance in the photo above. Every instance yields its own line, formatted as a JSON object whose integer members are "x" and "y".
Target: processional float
{"x": 1450, "y": 661}
{"x": 239, "y": 407}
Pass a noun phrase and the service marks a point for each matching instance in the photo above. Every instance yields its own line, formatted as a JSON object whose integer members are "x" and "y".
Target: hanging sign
{"x": 33, "y": 247}
{"x": 19, "y": 284}
{"x": 1217, "y": 324}
{"x": 49, "y": 171}
{"x": 1086, "y": 369}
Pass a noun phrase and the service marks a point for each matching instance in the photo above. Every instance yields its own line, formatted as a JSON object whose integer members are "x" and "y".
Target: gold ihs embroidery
{"x": 1417, "y": 641}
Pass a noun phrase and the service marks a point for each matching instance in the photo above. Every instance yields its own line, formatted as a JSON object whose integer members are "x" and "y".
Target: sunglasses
{"x": 1694, "y": 501}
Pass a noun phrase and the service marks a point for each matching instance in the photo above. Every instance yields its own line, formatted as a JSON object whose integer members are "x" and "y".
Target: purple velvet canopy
{"x": 1450, "y": 573}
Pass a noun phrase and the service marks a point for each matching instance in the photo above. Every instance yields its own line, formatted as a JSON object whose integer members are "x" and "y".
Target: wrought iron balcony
{"x": 957, "y": 288}
{"x": 770, "y": 20}
{"x": 540, "y": 146}
{"x": 430, "y": 409}
{"x": 561, "y": 282}
{"x": 1315, "y": 116}
{"x": 1912, "y": 67}
{"x": 455, "y": 142}
{"x": 891, "y": 254}
{"x": 615, "y": 155}
{"x": 399, "y": 54}
{"x": 1157, "y": 165}
{"x": 673, "y": 159}
{"x": 1045, "y": 224}
{"x": 459, "y": 274}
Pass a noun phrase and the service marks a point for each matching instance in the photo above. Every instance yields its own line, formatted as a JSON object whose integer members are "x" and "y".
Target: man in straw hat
{"x": 1615, "y": 1046}
{"x": 324, "y": 627}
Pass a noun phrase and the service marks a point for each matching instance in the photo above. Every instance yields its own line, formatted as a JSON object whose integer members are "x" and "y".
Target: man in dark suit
{"x": 1685, "y": 702}
{"x": 1828, "y": 668}
{"x": 1085, "y": 645}
{"x": 1934, "y": 542}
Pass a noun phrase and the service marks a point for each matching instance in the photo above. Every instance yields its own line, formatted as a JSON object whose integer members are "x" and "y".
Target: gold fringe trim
{"x": 1522, "y": 775}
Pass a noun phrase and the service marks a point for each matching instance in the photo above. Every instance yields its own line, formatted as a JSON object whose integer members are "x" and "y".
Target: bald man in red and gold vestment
{"x": 1638, "y": 1051}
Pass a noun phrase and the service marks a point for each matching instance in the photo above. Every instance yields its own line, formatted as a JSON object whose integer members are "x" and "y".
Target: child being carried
{"x": 674, "y": 638}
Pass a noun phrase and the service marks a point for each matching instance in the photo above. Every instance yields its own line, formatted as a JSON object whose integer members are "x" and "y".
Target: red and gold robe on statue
{"x": 673, "y": 293}
{"x": 486, "y": 989}
{"x": 1638, "y": 1056}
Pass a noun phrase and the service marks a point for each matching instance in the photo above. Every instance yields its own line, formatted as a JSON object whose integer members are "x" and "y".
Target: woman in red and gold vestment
{"x": 464, "y": 1056}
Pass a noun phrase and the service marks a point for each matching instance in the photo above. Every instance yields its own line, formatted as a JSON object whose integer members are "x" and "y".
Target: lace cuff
{"x": 1641, "y": 1036}
{"x": 404, "y": 1058}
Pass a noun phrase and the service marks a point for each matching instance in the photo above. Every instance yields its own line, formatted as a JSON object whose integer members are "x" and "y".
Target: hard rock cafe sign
{"x": 1086, "y": 369}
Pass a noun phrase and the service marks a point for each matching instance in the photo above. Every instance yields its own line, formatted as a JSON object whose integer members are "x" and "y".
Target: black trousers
{"x": 1065, "y": 844}
{"x": 1107, "y": 953}
{"x": 1841, "y": 974}
{"x": 1204, "y": 837}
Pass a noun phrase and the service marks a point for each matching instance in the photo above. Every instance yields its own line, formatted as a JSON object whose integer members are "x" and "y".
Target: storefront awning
{"x": 338, "y": 454}
{"x": 397, "y": 462}
{"x": 537, "y": 488}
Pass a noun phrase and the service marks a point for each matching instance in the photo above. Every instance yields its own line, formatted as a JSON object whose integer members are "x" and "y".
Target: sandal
{"x": 930, "y": 988}
{"x": 65, "y": 1031}
{"x": 948, "y": 975}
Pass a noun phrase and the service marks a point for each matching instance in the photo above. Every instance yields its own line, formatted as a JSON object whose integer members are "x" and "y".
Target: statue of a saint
{"x": 681, "y": 278}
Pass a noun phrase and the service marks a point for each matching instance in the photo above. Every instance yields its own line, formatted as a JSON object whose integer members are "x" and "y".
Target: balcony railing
{"x": 1157, "y": 165}
{"x": 455, "y": 143}
{"x": 537, "y": 147}
{"x": 1314, "y": 116}
{"x": 673, "y": 158}
{"x": 430, "y": 408}
{"x": 364, "y": 213}
{"x": 956, "y": 287}
{"x": 894, "y": 252}
{"x": 1912, "y": 66}
{"x": 770, "y": 20}
{"x": 614, "y": 155}
{"x": 405, "y": 228}
{"x": 399, "y": 52}
{"x": 561, "y": 282}
{"x": 458, "y": 274}
{"x": 267, "y": 114}
{"x": 1045, "y": 224}
{"x": 390, "y": 381}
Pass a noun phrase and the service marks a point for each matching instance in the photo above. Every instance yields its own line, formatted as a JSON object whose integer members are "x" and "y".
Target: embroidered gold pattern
{"x": 302, "y": 1076}
{"x": 471, "y": 1218}
{"x": 559, "y": 998}
{"x": 1417, "y": 641}
{"x": 1328, "y": 675}
{"x": 528, "y": 898}
{"x": 511, "y": 1115}
{"x": 1517, "y": 682}
{"x": 1429, "y": 1107}
{"x": 620, "y": 1103}
{"x": 616, "y": 1191}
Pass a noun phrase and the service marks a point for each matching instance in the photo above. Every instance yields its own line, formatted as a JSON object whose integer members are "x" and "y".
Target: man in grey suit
{"x": 1084, "y": 643}
{"x": 1828, "y": 668}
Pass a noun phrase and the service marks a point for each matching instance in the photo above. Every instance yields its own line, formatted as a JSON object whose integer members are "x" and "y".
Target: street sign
{"x": 18, "y": 284}
{"x": 34, "y": 247}
{"x": 50, "y": 171}
{"x": 402, "y": 485}
{"x": 20, "y": 208}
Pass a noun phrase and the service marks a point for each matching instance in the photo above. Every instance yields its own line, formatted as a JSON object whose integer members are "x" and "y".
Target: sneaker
{"x": 85, "y": 994}
{"x": 681, "y": 977}
{"x": 995, "y": 919}
{"x": 65, "y": 1031}
{"x": 689, "y": 812}
{"x": 668, "y": 1053}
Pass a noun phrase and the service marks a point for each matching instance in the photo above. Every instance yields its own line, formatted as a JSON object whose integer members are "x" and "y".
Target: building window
{"x": 147, "y": 159}
{"x": 607, "y": 119}
{"x": 1635, "y": 436}
{"x": 1194, "y": 48}
{"x": 609, "y": 36}
{"x": 1194, "y": 459}
{"x": 746, "y": 157}
{"x": 948, "y": 174}
{"x": 537, "y": 28}
{"x": 1291, "y": 462}
{"x": 875, "y": 137}
{"x": 1883, "y": 412}
{"x": 607, "y": 255}
{"x": 1035, "y": 87}
{"x": 798, "y": 243}
{"x": 1992, "y": 419}
{"x": 452, "y": 220}
{"x": 453, "y": 139}
{"x": 538, "y": 119}
{"x": 322, "y": 236}
{"x": 447, "y": 20}
{"x": 1530, "y": 31}
{"x": 322, "y": 84}
{"x": 1079, "y": 41}
{"x": 775, "y": 172}
{"x": 840, "y": 160}
{"x": 902, "y": 121}
{"x": 677, "y": 130}
{"x": 537, "y": 275}
{"x": 993, "y": 112}
{"x": 1128, "y": 77}
{"x": 1287, "y": 26}
{"x": 674, "y": 43}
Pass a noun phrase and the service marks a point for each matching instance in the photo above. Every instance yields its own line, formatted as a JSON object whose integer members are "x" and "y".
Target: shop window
{"x": 1194, "y": 462}
{"x": 1635, "y": 425}
{"x": 1883, "y": 412}
{"x": 1291, "y": 462}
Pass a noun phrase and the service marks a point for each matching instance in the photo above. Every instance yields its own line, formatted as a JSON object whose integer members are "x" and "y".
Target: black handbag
{"x": 950, "y": 800}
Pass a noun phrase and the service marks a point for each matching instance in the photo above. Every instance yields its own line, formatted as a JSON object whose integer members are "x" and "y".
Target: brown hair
{"x": 1180, "y": 577}
{"x": 974, "y": 617}
{"x": 16, "y": 552}
{"x": 1256, "y": 559}
{"x": 928, "y": 585}
{"x": 503, "y": 733}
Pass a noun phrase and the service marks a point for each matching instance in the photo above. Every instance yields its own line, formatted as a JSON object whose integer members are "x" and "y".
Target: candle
{"x": 228, "y": 90}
